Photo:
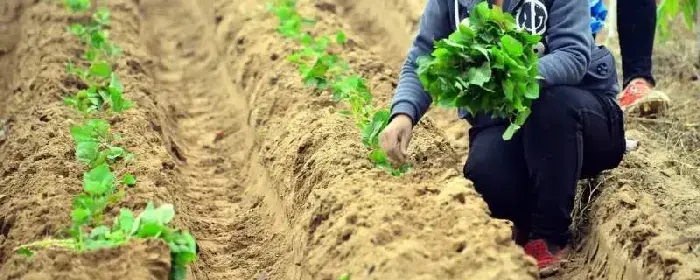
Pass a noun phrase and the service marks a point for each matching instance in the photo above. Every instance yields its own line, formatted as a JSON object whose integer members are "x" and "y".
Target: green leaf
{"x": 508, "y": 88}
{"x": 98, "y": 39}
{"x": 479, "y": 14}
{"x": 102, "y": 16}
{"x": 345, "y": 113}
{"x": 533, "y": 91}
{"x": 80, "y": 215}
{"x": 101, "y": 69}
{"x": 129, "y": 180}
{"x": 378, "y": 156}
{"x": 344, "y": 276}
{"x": 114, "y": 153}
{"x": 25, "y": 252}
{"x": 115, "y": 84}
{"x": 306, "y": 39}
{"x": 93, "y": 130}
{"x": 479, "y": 76}
{"x": 370, "y": 133}
{"x": 522, "y": 117}
{"x": 77, "y": 29}
{"x": 512, "y": 46}
{"x": 126, "y": 221}
{"x": 87, "y": 152}
{"x": 510, "y": 131}
{"x": 160, "y": 216}
{"x": 77, "y": 5}
{"x": 99, "y": 232}
{"x": 99, "y": 180}
{"x": 69, "y": 101}
{"x": 530, "y": 38}
{"x": 340, "y": 37}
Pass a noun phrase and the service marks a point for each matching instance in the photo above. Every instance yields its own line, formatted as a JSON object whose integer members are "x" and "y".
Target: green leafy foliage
{"x": 129, "y": 180}
{"x": 104, "y": 88}
{"x": 77, "y": 6}
{"x": 291, "y": 22}
{"x": 99, "y": 191}
{"x": 669, "y": 10}
{"x": 321, "y": 69}
{"x": 344, "y": 276}
{"x": 94, "y": 143}
{"x": 487, "y": 66}
{"x": 151, "y": 223}
{"x": 340, "y": 37}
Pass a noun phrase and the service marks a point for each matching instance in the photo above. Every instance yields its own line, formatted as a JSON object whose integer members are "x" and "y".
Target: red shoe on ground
{"x": 549, "y": 257}
{"x": 640, "y": 99}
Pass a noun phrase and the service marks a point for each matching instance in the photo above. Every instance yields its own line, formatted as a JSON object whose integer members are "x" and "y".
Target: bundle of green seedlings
{"x": 487, "y": 65}
{"x": 97, "y": 148}
{"x": 325, "y": 71}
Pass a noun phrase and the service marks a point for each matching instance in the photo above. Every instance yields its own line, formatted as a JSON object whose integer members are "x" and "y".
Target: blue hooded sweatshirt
{"x": 566, "y": 48}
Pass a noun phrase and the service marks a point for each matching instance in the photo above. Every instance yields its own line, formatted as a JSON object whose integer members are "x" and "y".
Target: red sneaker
{"x": 640, "y": 99}
{"x": 549, "y": 258}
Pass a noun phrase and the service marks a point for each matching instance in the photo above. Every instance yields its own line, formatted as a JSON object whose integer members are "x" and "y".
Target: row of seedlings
{"x": 97, "y": 148}
{"x": 324, "y": 71}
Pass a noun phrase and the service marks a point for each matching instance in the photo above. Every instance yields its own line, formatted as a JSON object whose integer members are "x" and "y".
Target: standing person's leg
{"x": 499, "y": 173}
{"x": 570, "y": 131}
{"x": 636, "y": 25}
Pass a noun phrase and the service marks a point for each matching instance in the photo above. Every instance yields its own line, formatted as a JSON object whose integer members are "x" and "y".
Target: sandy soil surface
{"x": 287, "y": 192}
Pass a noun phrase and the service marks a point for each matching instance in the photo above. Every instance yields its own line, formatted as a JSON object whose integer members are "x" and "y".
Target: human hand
{"x": 396, "y": 137}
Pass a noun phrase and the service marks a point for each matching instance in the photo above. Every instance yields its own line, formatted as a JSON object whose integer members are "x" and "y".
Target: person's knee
{"x": 492, "y": 184}
{"x": 557, "y": 105}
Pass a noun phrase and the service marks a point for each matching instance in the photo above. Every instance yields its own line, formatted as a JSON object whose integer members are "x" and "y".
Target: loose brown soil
{"x": 274, "y": 183}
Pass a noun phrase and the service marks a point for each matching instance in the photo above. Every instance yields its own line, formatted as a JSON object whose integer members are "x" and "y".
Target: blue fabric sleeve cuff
{"x": 404, "y": 108}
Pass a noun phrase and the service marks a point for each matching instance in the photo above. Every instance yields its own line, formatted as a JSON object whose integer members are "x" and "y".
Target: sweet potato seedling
{"x": 151, "y": 223}
{"x": 77, "y": 6}
{"x": 291, "y": 22}
{"x": 94, "y": 144}
{"x": 104, "y": 91}
{"x": 487, "y": 66}
{"x": 104, "y": 87}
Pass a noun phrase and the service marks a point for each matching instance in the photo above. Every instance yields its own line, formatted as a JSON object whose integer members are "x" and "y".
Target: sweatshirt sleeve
{"x": 410, "y": 98}
{"x": 569, "y": 42}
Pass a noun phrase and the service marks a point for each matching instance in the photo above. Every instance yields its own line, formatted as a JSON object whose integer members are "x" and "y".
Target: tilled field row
{"x": 268, "y": 177}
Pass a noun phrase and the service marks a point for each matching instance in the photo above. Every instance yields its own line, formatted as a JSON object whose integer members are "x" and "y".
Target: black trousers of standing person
{"x": 636, "y": 25}
{"x": 532, "y": 178}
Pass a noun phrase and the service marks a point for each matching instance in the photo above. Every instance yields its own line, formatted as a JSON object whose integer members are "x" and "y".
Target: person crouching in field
{"x": 575, "y": 130}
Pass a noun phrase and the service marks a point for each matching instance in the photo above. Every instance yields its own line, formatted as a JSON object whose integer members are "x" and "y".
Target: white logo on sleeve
{"x": 532, "y": 16}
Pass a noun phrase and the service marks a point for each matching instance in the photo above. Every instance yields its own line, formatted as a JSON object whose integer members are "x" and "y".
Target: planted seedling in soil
{"x": 290, "y": 21}
{"x": 95, "y": 35}
{"x": 151, "y": 223}
{"x": 77, "y": 6}
{"x": 94, "y": 144}
{"x": 487, "y": 66}
{"x": 104, "y": 87}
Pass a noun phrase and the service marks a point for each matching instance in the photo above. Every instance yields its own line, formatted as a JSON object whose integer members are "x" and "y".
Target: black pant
{"x": 636, "y": 24}
{"x": 531, "y": 179}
